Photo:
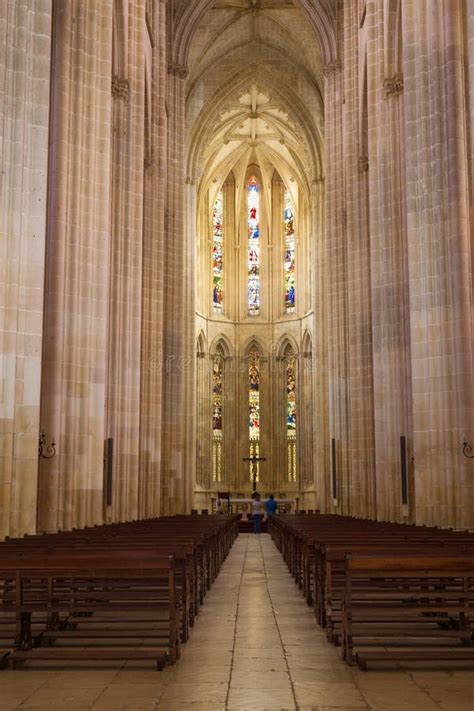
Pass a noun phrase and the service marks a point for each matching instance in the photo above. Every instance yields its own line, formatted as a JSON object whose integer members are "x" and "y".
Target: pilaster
{"x": 153, "y": 276}
{"x": 389, "y": 263}
{"x": 74, "y": 353}
{"x": 25, "y": 52}
{"x": 336, "y": 282}
{"x": 439, "y": 260}
{"x": 359, "y": 322}
{"x": 178, "y": 310}
{"x": 126, "y": 257}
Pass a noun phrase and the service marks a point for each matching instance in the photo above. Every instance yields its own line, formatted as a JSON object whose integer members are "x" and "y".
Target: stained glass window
{"x": 289, "y": 265}
{"x": 253, "y": 252}
{"x": 217, "y": 393}
{"x": 254, "y": 393}
{"x": 218, "y": 254}
{"x": 291, "y": 415}
{"x": 254, "y": 407}
{"x": 217, "y": 382}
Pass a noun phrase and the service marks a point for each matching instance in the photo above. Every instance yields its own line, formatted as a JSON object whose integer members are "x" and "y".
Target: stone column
{"x": 178, "y": 307}
{"x": 125, "y": 256}
{"x": 188, "y": 360}
{"x": 319, "y": 360}
{"x": 276, "y": 252}
{"x": 203, "y": 419}
{"x": 389, "y": 260}
{"x": 153, "y": 275}
{"x": 336, "y": 281}
{"x": 305, "y": 423}
{"x": 242, "y": 428}
{"x": 74, "y": 354}
{"x": 278, "y": 422}
{"x": 469, "y": 45}
{"x": 439, "y": 260}
{"x": 359, "y": 322}
{"x": 266, "y": 401}
{"x": 25, "y": 52}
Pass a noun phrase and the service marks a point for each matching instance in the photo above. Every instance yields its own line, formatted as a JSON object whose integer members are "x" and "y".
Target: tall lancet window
{"x": 253, "y": 252}
{"x": 217, "y": 392}
{"x": 289, "y": 265}
{"x": 254, "y": 408}
{"x": 291, "y": 414}
{"x": 218, "y": 254}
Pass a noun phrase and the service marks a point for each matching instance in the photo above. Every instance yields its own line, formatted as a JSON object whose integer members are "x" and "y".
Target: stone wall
{"x": 109, "y": 115}
{"x": 25, "y": 52}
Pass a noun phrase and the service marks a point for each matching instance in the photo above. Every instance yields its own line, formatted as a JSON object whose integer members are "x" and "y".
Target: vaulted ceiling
{"x": 254, "y": 93}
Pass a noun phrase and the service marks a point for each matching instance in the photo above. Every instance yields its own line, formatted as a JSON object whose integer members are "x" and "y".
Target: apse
{"x": 255, "y": 150}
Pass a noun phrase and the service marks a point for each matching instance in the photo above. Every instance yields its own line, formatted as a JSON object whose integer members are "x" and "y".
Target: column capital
{"x": 178, "y": 70}
{"x": 120, "y": 88}
{"x": 363, "y": 163}
{"x": 332, "y": 67}
{"x": 394, "y": 85}
{"x": 149, "y": 162}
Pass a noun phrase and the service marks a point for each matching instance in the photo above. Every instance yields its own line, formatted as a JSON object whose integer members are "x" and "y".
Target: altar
{"x": 243, "y": 505}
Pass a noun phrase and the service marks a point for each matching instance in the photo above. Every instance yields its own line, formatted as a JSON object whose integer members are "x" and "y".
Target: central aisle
{"x": 256, "y": 645}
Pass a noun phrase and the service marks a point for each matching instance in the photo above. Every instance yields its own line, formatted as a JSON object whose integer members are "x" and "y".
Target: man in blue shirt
{"x": 270, "y": 506}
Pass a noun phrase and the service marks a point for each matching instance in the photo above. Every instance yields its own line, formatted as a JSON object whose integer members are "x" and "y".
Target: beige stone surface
{"x": 120, "y": 122}
{"x": 25, "y": 57}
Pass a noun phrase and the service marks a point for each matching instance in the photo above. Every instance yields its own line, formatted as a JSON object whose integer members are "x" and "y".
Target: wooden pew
{"x": 332, "y": 582}
{"x": 388, "y": 600}
{"x": 197, "y": 549}
{"x": 315, "y": 548}
{"x": 67, "y": 584}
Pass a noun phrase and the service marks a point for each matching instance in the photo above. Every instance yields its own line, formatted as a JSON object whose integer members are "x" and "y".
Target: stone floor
{"x": 255, "y": 646}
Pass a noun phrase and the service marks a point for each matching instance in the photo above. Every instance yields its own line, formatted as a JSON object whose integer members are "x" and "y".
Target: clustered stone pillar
{"x": 361, "y": 495}
{"x": 389, "y": 261}
{"x": 126, "y": 257}
{"x": 189, "y": 361}
{"x": 178, "y": 338}
{"x": 25, "y": 50}
{"x": 204, "y": 464}
{"x": 319, "y": 357}
{"x": 439, "y": 244}
{"x": 153, "y": 276}
{"x": 469, "y": 40}
{"x": 75, "y": 326}
{"x": 336, "y": 300}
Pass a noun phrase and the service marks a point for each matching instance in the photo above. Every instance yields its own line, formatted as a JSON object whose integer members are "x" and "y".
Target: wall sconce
{"x": 45, "y": 450}
{"x": 467, "y": 450}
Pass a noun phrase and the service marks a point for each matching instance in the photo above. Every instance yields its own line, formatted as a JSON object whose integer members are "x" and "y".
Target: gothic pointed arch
{"x": 287, "y": 343}
{"x": 260, "y": 121}
{"x": 221, "y": 344}
{"x": 201, "y": 344}
{"x": 290, "y": 401}
{"x": 187, "y": 16}
{"x": 295, "y": 126}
